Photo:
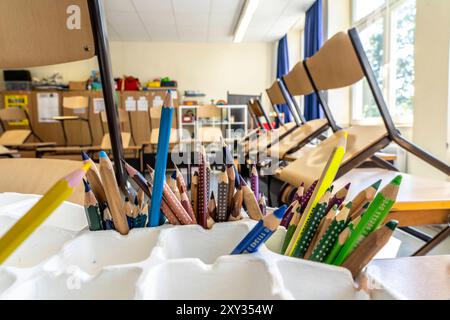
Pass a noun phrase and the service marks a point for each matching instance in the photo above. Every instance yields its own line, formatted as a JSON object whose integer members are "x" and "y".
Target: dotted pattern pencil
{"x": 194, "y": 195}
{"x": 307, "y": 196}
{"x": 202, "y": 190}
{"x": 339, "y": 197}
{"x": 343, "y": 236}
{"x": 311, "y": 225}
{"x": 289, "y": 214}
{"x": 326, "y": 243}
{"x": 254, "y": 181}
{"x": 222, "y": 199}
{"x": 292, "y": 226}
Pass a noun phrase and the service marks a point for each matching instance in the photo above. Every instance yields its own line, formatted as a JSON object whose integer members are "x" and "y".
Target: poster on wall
{"x": 99, "y": 105}
{"x": 130, "y": 104}
{"x": 17, "y": 101}
{"x": 48, "y": 107}
{"x": 142, "y": 104}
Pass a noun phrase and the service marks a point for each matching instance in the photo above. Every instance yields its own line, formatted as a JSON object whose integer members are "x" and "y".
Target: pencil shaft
{"x": 202, "y": 191}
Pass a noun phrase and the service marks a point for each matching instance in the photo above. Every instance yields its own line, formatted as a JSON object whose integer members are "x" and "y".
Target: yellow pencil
{"x": 40, "y": 212}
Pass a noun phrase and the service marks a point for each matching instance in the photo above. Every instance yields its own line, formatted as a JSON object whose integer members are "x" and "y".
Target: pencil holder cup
{"x": 63, "y": 260}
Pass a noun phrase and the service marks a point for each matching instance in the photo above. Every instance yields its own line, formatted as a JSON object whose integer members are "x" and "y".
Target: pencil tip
{"x": 86, "y": 167}
{"x": 349, "y": 205}
{"x": 102, "y": 154}
{"x": 84, "y": 156}
{"x": 174, "y": 175}
{"x": 348, "y": 186}
{"x": 377, "y": 184}
{"x": 279, "y": 213}
{"x": 398, "y": 180}
{"x": 392, "y": 224}
{"x": 87, "y": 187}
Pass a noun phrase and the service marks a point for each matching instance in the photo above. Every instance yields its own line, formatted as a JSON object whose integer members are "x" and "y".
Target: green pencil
{"x": 372, "y": 218}
{"x": 92, "y": 209}
{"x": 338, "y": 245}
{"x": 311, "y": 225}
{"x": 325, "y": 244}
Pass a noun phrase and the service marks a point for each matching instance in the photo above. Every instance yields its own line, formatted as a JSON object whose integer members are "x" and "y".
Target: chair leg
{"x": 433, "y": 243}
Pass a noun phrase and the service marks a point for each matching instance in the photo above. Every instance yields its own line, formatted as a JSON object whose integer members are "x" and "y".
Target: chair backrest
{"x": 106, "y": 140}
{"x": 297, "y": 81}
{"x": 36, "y": 176}
{"x": 76, "y": 102}
{"x": 59, "y": 31}
{"x": 336, "y": 64}
{"x": 13, "y": 114}
{"x": 275, "y": 95}
{"x": 123, "y": 116}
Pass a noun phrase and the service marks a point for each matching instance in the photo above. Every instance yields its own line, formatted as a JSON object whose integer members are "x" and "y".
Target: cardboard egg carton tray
{"x": 64, "y": 260}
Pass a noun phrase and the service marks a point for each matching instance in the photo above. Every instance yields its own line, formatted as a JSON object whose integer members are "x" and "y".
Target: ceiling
{"x": 199, "y": 20}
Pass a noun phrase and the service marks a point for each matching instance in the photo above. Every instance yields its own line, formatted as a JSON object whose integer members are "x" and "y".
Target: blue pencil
{"x": 261, "y": 232}
{"x": 161, "y": 160}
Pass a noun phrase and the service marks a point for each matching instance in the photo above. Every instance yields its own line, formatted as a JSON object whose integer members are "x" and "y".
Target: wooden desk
{"x": 420, "y": 201}
{"x": 415, "y": 278}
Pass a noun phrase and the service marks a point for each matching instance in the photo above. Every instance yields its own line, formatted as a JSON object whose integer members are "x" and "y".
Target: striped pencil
{"x": 260, "y": 233}
{"x": 311, "y": 225}
{"x": 202, "y": 190}
{"x": 113, "y": 194}
{"x": 92, "y": 209}
{"x": 185, "y": 202}
{"x": 363, "y": 198}
{"x": 339, "y": 197}
{"x": 222, "y": 198}
{"x": 93, "y": 176}
{"x": 254, "y": 181}
{"x": 161, "y": 160}
{"x": 329, "y": 238}
{"x": 372, "y": 218}
{"x": 194, "y": 195}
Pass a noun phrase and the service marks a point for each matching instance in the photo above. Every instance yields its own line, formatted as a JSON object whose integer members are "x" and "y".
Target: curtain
{"x": 313, "y": 42}
{"x": 282, "y": 70}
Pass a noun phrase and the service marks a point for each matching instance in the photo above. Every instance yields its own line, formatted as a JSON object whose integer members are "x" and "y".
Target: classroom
{"x": 225, "y": 150}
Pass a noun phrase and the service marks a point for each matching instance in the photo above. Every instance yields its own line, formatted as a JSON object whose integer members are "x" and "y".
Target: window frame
{"x": 384, "y": 12}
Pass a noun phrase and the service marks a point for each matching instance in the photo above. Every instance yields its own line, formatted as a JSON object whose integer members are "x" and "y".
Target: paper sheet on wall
{"x": 142, "y": 104}
{"x": 99, "y": 105}
{"x": 157, "y": 102}
{"x": 48, "y": 107}
{"x": 130, "y": 104}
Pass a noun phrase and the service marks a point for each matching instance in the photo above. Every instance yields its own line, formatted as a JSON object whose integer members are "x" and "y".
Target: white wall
{"x": 212, "y": 68}
{"x": 431, "y": 103}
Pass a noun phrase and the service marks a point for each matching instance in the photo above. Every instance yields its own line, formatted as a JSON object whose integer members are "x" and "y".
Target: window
{"x": 387, "y": 31}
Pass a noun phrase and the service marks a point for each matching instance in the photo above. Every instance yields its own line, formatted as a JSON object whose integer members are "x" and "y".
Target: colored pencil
{"x": 343, "y": 236}
{"x": 173, "y": 185}
{"x": 262, "y": 204}
{"x": 108, "y": 223}
{"x": 369, "y": 247}
{"x": 92, "y": 209}
{"x": 311, "y": 225}
{"x": 137, "y": 177}
{"x": 128, "y": 210}
{"x": 299, "y": 193}
{"x": 372, "y": 218}
{"x": 26, "y": 225}
{"x": 231, "y": 186}
{"x": 212, "y": 212}
{"x": 202, "y": 190}
{"x": 307, "y": 196}
{"x": 250, "y": 202}
{"x": 339, "y": 197}
{"x": 161, "y": 160}
{"x": 330, "y": 236}
{"x": 325, "y": 181}
{"x": 323, "y": 226}
{"x": 289, "y": 214}
{"x": 95, "y": 181}
{"x": 236, "y": 213}
{"x": 185, "y": 202}
{"x": 113, "y": 195}
{"x": 222, "y": 198}
{"x": 254, "y": 181}
{"x": 296, "y": 216}
{"x": 260, "y": 233}
{"x": 363, "y": 198}
{"x": 194, "y": 195}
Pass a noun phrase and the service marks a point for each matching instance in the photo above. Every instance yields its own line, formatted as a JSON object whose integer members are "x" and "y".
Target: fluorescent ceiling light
{"x": 245, "y": 19}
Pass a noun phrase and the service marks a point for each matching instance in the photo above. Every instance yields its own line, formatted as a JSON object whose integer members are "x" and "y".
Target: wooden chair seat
{"x": 299, "y": 135}
{"x": 36, "y": 176}
{"x": 14, "y": 137}
{"x": 305, "y": 168}
{"x": 154, "y": 135}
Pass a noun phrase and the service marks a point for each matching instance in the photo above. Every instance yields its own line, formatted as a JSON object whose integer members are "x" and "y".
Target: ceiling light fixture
{"x": 245, "y": 19}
